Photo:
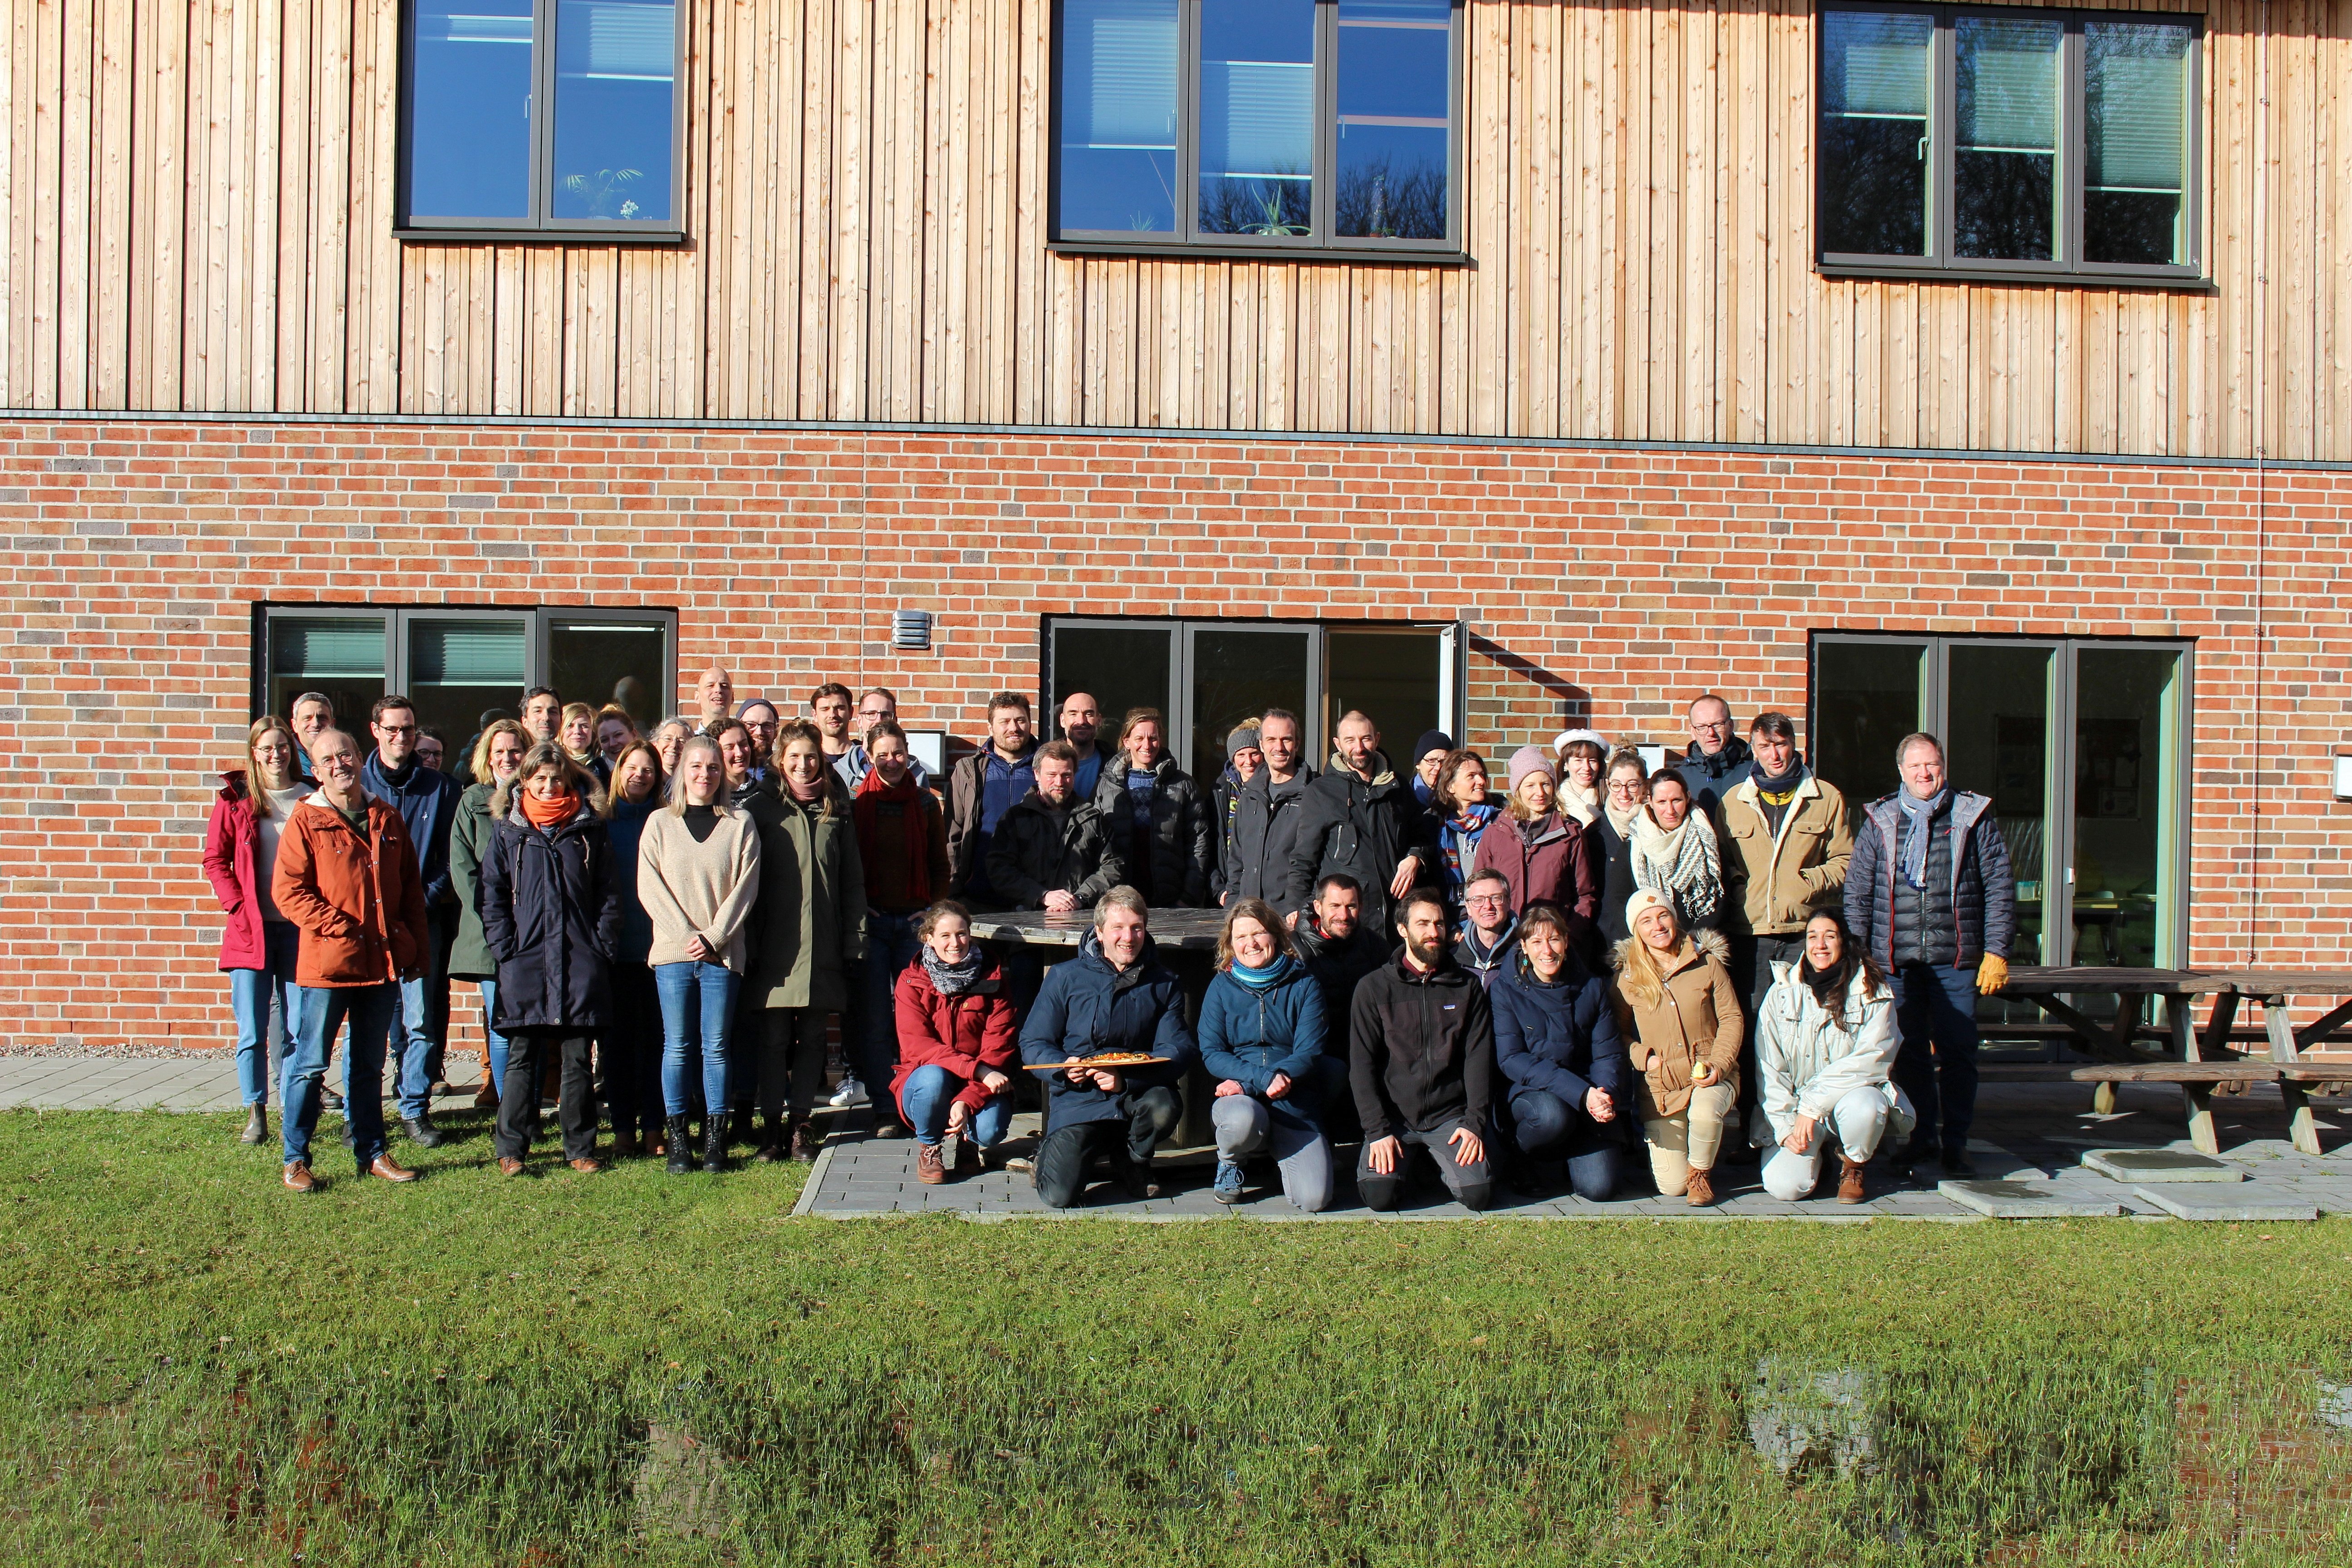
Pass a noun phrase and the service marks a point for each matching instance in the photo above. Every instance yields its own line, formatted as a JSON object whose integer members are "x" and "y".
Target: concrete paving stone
{"x": 2025, "y": 1200}
{"x": 2167, "y": 1165}
{"x": 2246, "y": 1203}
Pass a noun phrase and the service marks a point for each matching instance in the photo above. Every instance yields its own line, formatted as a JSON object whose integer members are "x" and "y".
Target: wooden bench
{"x": 2197, "y": 1081}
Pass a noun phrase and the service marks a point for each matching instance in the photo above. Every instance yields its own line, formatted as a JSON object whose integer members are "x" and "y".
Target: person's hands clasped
{"x": 1599, "y": 1106}
{"x": 1058, "y": 902}
{"x": 1800, "y": 1136}
{"x": 699, "y": 950}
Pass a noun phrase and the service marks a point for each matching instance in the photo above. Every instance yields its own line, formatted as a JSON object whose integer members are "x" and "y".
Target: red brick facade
{"x": 1603, "y": 584}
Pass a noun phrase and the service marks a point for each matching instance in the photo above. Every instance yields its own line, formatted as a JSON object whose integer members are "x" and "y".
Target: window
{"x": 1212, "y": 676}
{"x": 1258, "y": 125}
{"x": 542, "y": 115}
{"x": 2082, "y": 746}
{"x": 456, "y": 664}
{"x": 2013, "y": 143}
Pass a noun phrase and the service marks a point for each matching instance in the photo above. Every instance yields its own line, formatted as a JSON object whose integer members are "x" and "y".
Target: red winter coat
{"x": 1563, "y": 864}
{"x": 232, "y": 844}
{"x": 966, "y": 1035}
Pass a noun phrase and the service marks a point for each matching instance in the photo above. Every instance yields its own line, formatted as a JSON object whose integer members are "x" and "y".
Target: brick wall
{"x": 1604, "y": 585}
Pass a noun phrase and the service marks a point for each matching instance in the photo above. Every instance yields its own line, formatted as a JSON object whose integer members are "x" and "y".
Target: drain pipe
{"x": 2261, "y": 432}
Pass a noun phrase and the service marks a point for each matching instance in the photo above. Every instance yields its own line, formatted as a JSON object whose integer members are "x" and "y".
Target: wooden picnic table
{"x": 2198, "y": 1064}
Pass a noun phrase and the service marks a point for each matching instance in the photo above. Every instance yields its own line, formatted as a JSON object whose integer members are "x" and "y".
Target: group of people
{"x": 1711, "y": 957}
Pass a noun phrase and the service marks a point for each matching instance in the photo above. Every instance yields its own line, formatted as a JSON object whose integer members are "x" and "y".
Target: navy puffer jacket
{"x": 1250, "y": 1033}
{"x": 1089, "y": 1008}
{"x": 551, "y": 913}
{"x": 1560, "y": 1037}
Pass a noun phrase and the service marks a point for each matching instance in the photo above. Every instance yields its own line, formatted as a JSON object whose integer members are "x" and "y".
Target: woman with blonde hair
{"x": 1677, "y": 1002}
{"x": 551, "y": 914}
{"x": 498, "y": 756}
{"x": 1544, "y": 856}
{"x": 259, "y": 946}
{"x": 699, "y": 879}
{"x": 1261, "y": 1033}
{"x": 575, "y": 731}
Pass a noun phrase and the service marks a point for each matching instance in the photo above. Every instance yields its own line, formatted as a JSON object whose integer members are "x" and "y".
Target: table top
{"x": 1187, "y": 931}
{"x": 2027, "y": 980}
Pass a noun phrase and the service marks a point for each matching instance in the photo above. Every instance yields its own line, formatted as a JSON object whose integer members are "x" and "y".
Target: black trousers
{"x": 631, "y": 1052}
{"x": 575, "y": 1102}
{"x": 1067, "y": 1152}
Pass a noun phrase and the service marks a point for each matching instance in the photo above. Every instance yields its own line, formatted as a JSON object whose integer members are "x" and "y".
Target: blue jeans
{"x": 697, "y": 1002}
{"x": 250, "y": 992}
{"x": 1548, "y": 1128}
{"x": 924, "y": 1100}
{"x": 890, "y": 946}
{"x": 498, "y": 1042}
{"x": 1937, "y": 1007}
{"x": 370, "y": 1009}
{"x": 415, "y": 1054}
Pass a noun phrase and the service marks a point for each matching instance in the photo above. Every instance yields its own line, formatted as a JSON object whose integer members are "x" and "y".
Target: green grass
{"x": 632, "y": 1368}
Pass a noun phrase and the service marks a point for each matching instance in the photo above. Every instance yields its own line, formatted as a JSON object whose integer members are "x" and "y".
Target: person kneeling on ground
{"x": 1421, "y": 1060}
{"x": 1678, "y": 999}
{"x": 1114, "y": 999}
{"x": 551, "y": 914}
{"x": 1562, "y": 1060}
{"x": 1825, "y": 1048}
{"x": 1262, "y": 1031}
{"x": 957, "y": 1048}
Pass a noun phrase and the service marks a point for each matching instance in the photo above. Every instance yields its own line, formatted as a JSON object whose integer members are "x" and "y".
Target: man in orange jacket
{"x": 347, "y": 877}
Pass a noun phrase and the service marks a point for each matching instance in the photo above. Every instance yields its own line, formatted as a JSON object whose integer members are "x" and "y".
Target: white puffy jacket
{"x": 1808, "y": 1059}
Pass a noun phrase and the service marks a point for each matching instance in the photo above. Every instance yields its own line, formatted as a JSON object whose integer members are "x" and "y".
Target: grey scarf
{"x": 1916, "y": 814}
{"x": 952, "y": 981}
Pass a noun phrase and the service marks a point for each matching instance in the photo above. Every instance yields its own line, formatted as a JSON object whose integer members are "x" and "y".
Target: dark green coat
{"x": 469, "y": 834}
{"x": 810, "y": 917}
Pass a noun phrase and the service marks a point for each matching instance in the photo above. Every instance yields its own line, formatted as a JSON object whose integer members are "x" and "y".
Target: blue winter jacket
{"x": 1984, "y": 888}
{"x": 1560, "y": 1037}
{"x": 1250, "y": 1033}
{"x": 624, "y": 828}
{"x": 427, "y": 804}
{"x": 1086, "y": 1008}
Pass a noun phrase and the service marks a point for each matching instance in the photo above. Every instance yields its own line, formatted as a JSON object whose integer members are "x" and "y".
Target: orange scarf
{"x": 546, "y": 814}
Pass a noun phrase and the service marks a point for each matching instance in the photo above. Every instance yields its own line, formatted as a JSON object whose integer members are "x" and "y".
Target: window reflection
{"x": 1257, "y": 117}
{"x": 1874, "y": 133}
{"x": 469, "y": 109}
{"x": 2135, "y": 143}
{"x": 1395, "y": 66}
{"x": 616, "y": 60}
{"x": 2005, "y": 166}
{"x": 1119, "y": 115}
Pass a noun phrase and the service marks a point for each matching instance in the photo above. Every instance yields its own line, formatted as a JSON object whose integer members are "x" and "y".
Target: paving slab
{"x": 2167, "y": 1165}
{"x": 1999, "y": 1199}
{"x": 2246, "y": 1203}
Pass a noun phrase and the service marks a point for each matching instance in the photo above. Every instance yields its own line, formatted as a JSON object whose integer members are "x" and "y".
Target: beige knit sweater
{"x": 705, "y": 889}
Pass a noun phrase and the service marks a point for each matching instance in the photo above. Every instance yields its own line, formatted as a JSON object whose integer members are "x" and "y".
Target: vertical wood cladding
{"x": 197, "y": 203}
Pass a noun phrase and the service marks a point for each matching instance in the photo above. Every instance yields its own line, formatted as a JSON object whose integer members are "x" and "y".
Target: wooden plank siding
{"x": 199, "y": 206}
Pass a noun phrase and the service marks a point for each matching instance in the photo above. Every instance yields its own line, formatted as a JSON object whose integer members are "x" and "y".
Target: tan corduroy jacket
{"x": 1697, "y": 1019}
{"x": 1785, "y": 878}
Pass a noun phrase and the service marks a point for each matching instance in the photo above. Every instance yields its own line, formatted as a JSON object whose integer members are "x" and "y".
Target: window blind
{"x": 465, "y": 653}
{"x": 2008, "y": 86}
{"x": 1121, "y": 61}
{"x": 2138, "y": 107}
{"x": 326, "y": 647}
{"x": 1257, "y": 117}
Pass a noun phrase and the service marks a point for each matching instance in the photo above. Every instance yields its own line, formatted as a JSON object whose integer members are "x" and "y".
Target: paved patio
{"x": 2032, "y": 1134}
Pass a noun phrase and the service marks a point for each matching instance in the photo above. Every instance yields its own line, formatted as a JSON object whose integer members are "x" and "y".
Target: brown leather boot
{"x": 1850, "y": 1181}
{"x": 299, "y": 1177}
{"x": 804, "y": 1142}
{"x": 930, "y": 1169}
{"x": 1701, "y": 1191}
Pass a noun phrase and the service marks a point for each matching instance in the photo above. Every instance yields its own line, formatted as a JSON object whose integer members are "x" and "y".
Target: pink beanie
{"x": 1529, "y": 760}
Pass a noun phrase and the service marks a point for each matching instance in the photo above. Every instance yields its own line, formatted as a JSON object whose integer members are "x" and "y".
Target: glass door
{"x": 1233, "y": 675}
{"x": 2126, "y": 853}
{"x": 1398, "y": 678}
{"x": 1867, "y": 695}
{"x": 2000, "y": 703}
{"x": 1120, "y": 664}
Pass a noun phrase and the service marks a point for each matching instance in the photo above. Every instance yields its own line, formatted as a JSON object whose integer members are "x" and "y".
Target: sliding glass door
{"x": 2082, "y": 746}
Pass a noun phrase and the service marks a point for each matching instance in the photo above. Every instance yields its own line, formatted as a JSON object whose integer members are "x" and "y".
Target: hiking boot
{"x": 1140, "y": 1187}
{"x": 804, "y": 1142}
{"x": 771, "y": 1143}
{"x": 1227, "y": 1188}
{"x": 421, "y": 1132}
{"x": 679, "y": 1145}
{"x": 1701, "y": 1191}
{"x": 1850, "y": 1181}
{"x": 296, "y": 1175}
{"x": 257, "y": 1126}
{"x": 931, "y": 1168}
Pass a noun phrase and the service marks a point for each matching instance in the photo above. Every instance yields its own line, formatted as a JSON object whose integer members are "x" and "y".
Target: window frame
{"x": 397, "y": 615}
{"x": 2067, "y": 267}
{"x": 1452, "y": 250}
{"x": 539, "y": 227}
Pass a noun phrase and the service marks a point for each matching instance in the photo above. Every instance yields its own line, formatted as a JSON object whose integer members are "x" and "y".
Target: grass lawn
{"x": 635, "y": 1368}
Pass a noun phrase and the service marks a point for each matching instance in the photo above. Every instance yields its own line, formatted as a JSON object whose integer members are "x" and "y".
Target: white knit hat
{"x": 1643, "y": 902}
{"x": 1560, "y": 742}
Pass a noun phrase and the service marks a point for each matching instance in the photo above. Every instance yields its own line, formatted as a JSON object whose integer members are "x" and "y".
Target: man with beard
{"x": 1264, "y": 828}
{"x": 1420, "y": 1060}
{"x": 1081, "y": 719}
{"x": 1052, "y": 851}
{"x": 1359, "y": 817}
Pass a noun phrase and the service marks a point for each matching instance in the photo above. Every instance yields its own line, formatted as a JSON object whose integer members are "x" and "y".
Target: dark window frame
{"x": 2067, "y": 268}
{"x": 541, "y": 227}
{"x": 1322, "y": 244}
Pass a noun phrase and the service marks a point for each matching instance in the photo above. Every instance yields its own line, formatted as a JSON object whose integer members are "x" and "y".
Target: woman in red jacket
{"x": 259, "y": 946}
{"x": 1543, "y": 855}
{"x": 957, "y": 1043}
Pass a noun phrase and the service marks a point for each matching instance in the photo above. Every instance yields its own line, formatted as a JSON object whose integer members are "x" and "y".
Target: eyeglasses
{"x": 1486, "y": 900}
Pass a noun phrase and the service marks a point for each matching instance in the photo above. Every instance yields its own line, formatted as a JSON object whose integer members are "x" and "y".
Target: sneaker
{"x": 1228, "y": 1186}
{"x": 929, "y": 1168}
{"x": 851, "y": 1092}
{"x": 330, "y": 1100}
